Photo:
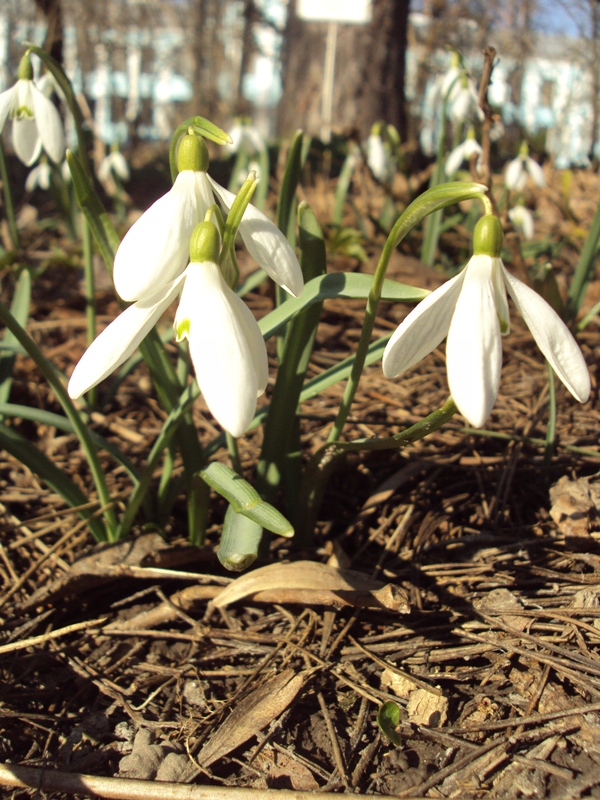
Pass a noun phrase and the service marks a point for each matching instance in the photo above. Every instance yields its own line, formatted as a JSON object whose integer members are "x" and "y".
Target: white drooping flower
{"x": 113, "y": 163}
{"x": 227, "y": 348}
{"x": 245, "y": 136}
{"x": 152, "y": 268}
{"x": 463, "y": 152}
{"x": 379, "y": 160}
{"x": 519, "y": 169}
{"x": 39, "y": 177}
{"x": 36, "y": 123}
{"x": 522, "y": 220}
{"x": 464, "y": 106}
{"x": 154, "y": 252}
{"x": 471, "y": 312}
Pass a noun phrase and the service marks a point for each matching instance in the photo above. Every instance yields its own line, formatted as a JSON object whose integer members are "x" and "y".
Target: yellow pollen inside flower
{"x": 182, "y": 331}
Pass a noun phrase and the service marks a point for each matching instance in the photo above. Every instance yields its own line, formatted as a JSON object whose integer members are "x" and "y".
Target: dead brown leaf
{"x": 254, "y": 713}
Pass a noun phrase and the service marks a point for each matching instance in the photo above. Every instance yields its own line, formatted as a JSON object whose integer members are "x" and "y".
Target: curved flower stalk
{"x": 519, "y": 169}
{"x": 522, "y": 220}
{"x": 154, "y": 251}
{"x": 464, "y": 152}
{"x": 39, "y": 177}
{"x": 36, "y": 123}
{"x": 226, "y": 345}
{"x": 471, "y": 310}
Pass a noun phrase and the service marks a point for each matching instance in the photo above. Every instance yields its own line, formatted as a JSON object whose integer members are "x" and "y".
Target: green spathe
{"x": 487, "y": 237}
{"x": 192, "y": 154}
{"x": 205, "y": 242}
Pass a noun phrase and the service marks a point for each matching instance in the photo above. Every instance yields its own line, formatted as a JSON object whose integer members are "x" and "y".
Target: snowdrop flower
{"x": 226, "y": 345}
{"x": 113, "y": 164}
{"x": 39, "y": 177}
{"x": 36, "y": 122}
{"x": 517, "y": 170}
{"x": 464, "y": 105}
{"x": 247, "y": 136}
{"x": 522, "y": 220}
{"x": 154, "y": 251}
{"x": 471, "y": 311}
{"x": 470, "y": 147}
{"x": 378, "y": 158}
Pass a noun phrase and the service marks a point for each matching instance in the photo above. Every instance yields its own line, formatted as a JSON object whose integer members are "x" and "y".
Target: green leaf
{"x": 240, "y": 541}
{"x": 388, "y": 719}
{"x": 245, "y": 499}
{"x": 20, "y": 310}
{"x": 338, "y": 284}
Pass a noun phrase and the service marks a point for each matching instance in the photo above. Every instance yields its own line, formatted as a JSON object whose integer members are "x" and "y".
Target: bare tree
{"x": 369, "y": 78}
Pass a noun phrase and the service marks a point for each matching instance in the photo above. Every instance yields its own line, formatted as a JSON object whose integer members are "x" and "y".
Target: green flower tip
{"x": 25, "y": 72}
{"x": 205, "y": 243}
{"x": 192, "y": 154}
{"x": 487, "y": 237}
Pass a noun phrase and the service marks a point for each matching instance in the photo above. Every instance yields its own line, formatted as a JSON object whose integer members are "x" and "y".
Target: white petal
{"x": 423, "y": 329}
{"x": 455, "y": 159}
{"x": 230, "y": 362}
{"x": 49, "y": 124}
{"x": 376, "y": 157}
{"x": 8, "y": 100}
{"x": 120, "y": 166}
{"x": 118, "y": 341}
{"x": 26, "y": 140}
{"x": 473, "y": 349}
{"x": 266, "y": 244}
{"x": 522, "y": 219}
{"x": 32, "y": 179}
{"x": 536, "y": 172}
{"x": 155, "y": 250}
{"x": 515, "y": 177}
{"x": 500, "y": 299}
{"x": 552, "y": 337}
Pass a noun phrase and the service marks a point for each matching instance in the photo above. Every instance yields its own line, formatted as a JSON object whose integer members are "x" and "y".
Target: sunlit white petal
{"x": 156, "y": 248}
{"x": 377, "y": 157}
{"x": 26, "y": 140}
{"x": 266, "y": 244}
{"x": 522, "y": 219}
{"x": 455, "y": 159}
{"x": 515, "y": 176}
{"x": 8, "y": 100}
{"x": 552, "y": 337}
{"x": 39, "y": 176}
{"x": 49, "y": 124}
{"x": 536, "y": 172}
{"x": 473, "y": 348}
{"x": 119, "y": 340}
{"x": 423, "y": 329}
{"x": 230, "y": 364}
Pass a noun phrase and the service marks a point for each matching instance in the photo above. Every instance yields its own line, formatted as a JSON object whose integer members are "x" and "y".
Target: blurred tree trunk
{"x": 52, "y": 11}
{"x": 369, "y": 71}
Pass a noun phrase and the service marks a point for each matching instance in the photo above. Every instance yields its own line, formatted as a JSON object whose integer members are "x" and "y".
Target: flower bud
{"x": 488, "y": 236}
{"x": 25, "y": 72}
{"x": 205, "y": 243}
{"x": 192, "y": 154}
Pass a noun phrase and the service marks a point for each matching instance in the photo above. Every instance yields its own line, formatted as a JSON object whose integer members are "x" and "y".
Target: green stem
{"x": 429, "y": 202}
{"x": 323, "y": 462}
{"x": 584, "y": 269}
{"x": 9, "y": 207}
{"x": 552, "y": 412}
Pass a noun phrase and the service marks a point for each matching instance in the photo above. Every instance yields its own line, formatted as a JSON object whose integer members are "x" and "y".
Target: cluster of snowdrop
{"x": 175, "y": 250}
{"x": 172, "y": 250}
